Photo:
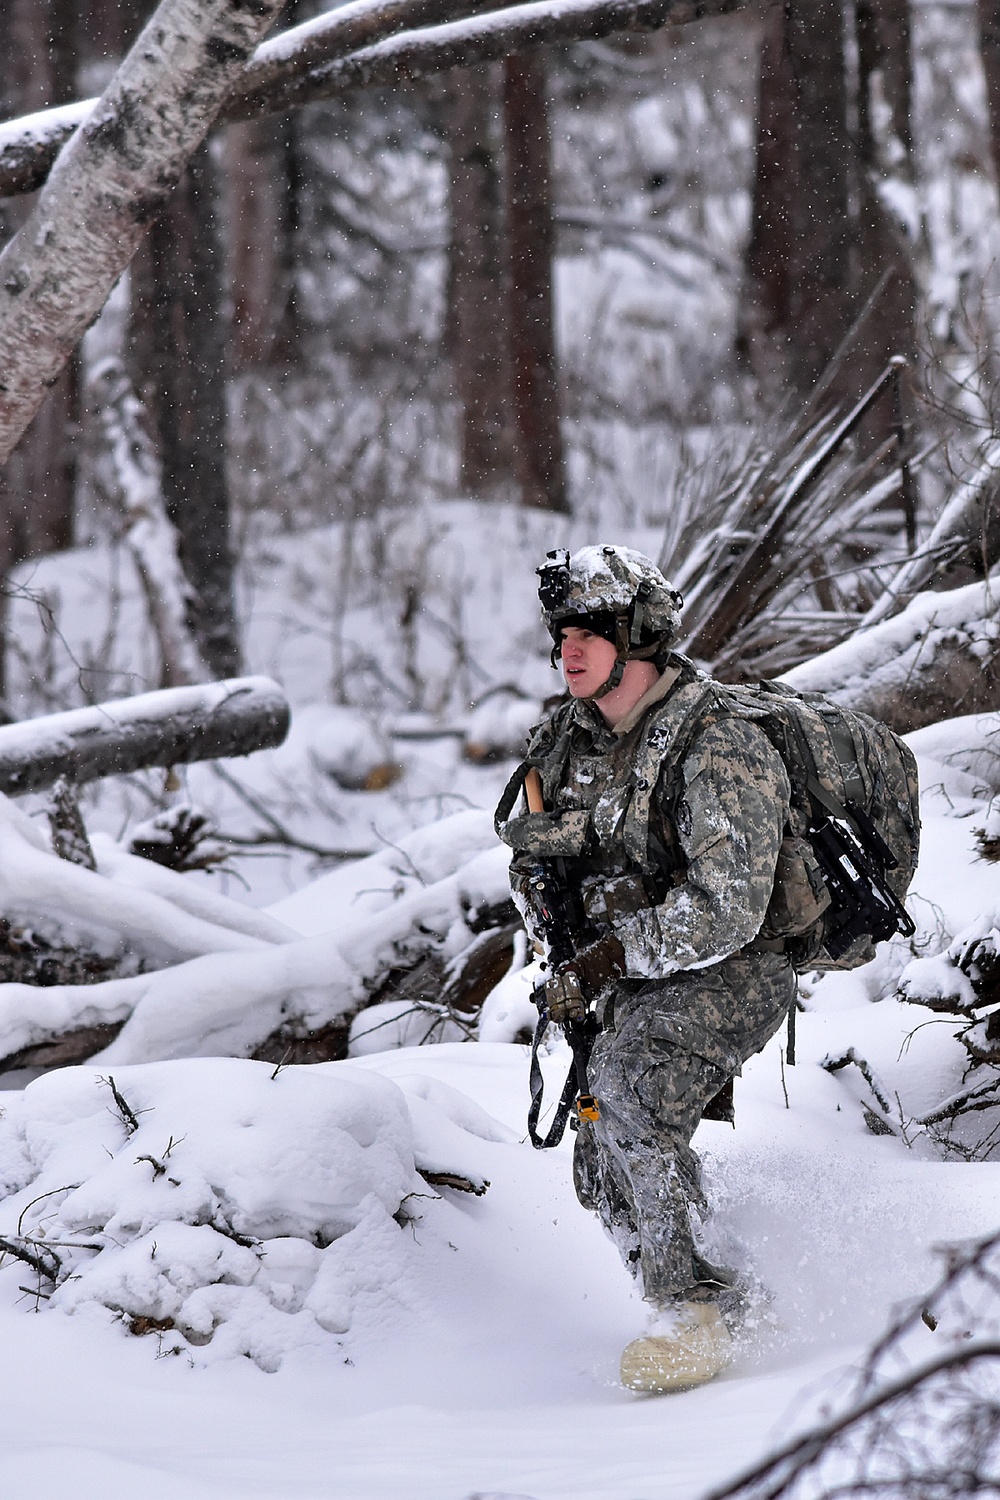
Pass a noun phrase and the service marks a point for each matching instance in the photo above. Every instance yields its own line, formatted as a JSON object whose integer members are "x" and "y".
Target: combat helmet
{"x": 615, "y": 592}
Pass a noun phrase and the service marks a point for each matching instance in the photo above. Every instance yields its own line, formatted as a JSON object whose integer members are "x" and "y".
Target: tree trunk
{"x": 151, "y": 538}
{"x": 765, "y": 311}
{"x": 110, "y": 183}
{"x": 179, "y": 340}
{"x": 884, "y": 69}
{"x": 261, "y": 189}
{"x": 821, "y": 240}
{"x": 820, "y": 301}
{"x": 531, "y": 245}
{"x": 884, "y": 75}
{"x": 989, "y": 41}
{"x": 478, "y": 325}
{"x": 37, "y": 486}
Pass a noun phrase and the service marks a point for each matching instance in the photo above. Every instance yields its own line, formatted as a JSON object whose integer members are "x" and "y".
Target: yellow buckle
{"x": 587, "y": 1107}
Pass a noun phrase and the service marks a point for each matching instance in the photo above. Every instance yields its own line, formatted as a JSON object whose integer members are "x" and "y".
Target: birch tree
{"x": 109, "y": 184}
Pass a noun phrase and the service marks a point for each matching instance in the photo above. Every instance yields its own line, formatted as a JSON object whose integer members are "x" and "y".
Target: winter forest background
{"x": 447, "y": 285}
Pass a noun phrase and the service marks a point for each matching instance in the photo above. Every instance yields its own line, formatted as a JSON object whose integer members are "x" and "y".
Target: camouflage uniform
{"x": 689, "y": 795}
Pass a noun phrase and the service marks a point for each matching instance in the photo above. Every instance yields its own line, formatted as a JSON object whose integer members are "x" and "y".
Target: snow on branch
{"x": 232, "y": 1001}
{"x": 475, "y": 39}
{"x": 966, "y": 527}
{"x": 939, "y": 658}
{"x": 156, "y": 918}
{"x": 343, "y": 49}
{"x": 171, "y": 727}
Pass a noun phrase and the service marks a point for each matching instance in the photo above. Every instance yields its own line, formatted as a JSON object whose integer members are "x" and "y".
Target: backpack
{"x": 851, "y": 847}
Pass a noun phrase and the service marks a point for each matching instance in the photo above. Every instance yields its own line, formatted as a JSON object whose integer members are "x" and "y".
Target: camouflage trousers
{"x": 668, "y": 1047}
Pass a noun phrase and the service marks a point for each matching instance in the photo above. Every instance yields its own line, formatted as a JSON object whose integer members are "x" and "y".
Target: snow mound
{"x": 229, "y": 1207}
{"x": 231, "y": 1002}
{"x": 347, "y": 746}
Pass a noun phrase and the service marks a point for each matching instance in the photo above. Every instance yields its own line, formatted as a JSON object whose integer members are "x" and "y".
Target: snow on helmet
{"x": 617, "y": 593}
{"x": 605, "y": 580}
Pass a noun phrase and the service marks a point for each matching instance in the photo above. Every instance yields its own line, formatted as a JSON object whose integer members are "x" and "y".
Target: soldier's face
{"x": 587, "y": 660}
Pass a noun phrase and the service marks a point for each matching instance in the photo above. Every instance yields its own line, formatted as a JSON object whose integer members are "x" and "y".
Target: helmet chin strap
{"x": 613, "y": 680}
{"x": 626, "y": 654}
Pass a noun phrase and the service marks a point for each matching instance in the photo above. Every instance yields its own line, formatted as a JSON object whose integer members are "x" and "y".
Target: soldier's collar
{"x": 661, "y": 687}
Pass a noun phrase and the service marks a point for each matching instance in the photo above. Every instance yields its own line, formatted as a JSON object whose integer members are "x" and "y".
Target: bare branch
{"x": 128, "y": 1115}
{"x": 37, "y": 1256}
{"x": 776, "y": 1474}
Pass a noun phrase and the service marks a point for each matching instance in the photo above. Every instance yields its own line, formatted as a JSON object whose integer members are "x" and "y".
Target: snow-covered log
{"x": 151, "y": 537}
{"x": 128, "y": 909}
{"x": 109, "y": 183}
{"x": 167, "y": 728}
{"x": 303, "y": 64}
{"x": 937, "y": 659}
{"x": 285, "y": 1000}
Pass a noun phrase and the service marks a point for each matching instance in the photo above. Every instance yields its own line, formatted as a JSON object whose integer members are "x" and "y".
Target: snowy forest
{"x": 319, "y": 327}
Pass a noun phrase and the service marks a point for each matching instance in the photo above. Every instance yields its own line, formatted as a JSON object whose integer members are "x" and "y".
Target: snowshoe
{"x": 688, "y": 1346}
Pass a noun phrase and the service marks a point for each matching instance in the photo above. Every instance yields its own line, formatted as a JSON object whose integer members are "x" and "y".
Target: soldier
{"x": 664, "y": 816}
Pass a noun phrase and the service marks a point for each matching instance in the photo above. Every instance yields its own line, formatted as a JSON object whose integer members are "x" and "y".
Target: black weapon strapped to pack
{"x": 855, "y": 859}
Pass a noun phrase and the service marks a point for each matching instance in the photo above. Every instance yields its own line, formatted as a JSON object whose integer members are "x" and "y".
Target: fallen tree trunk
{"x": 167, "y": 728}
{"x": 939, "y": 658}
{"x": 109, "y": 184}
{"x": 342, "y": 49}
{"x": 432, "y": 952}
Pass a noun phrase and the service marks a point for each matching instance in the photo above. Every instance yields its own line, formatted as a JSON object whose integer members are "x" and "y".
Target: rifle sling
{"x": 581, "y": 1038}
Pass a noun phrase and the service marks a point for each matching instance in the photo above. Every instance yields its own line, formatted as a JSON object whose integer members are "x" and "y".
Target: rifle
{"x": 855, "y": 859}
{"x": 559, "y": 915}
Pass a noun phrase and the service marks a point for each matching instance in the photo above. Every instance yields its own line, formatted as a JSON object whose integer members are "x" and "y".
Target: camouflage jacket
{"x": 669, "y": 829}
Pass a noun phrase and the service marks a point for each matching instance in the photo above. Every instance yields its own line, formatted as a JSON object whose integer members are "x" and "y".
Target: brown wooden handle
{"x": 533, "y": 791}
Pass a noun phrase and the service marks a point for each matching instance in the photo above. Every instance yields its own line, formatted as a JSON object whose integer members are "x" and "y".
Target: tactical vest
{"x": 609, "y": 815}
{"x": 619, "y": 826}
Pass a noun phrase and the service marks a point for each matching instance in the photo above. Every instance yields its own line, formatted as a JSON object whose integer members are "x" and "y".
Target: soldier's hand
{"x": 564, "y": 999}
{"x": 598, "y": 963}
{"x": 582, "y": 979}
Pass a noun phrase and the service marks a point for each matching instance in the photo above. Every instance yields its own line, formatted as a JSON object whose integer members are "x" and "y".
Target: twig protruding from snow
{"x": 69, "y": 832}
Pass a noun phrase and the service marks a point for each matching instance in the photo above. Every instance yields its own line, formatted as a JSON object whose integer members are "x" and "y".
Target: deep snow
{"x": 472, "y": 1348}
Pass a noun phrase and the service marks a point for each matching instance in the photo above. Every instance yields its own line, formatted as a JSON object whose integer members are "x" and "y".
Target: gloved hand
{"x": 564, "y": 999}
{"x": 581, "y": 980}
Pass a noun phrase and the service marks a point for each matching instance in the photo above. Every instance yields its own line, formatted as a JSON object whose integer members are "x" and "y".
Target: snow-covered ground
{"x": 244, "y": 1282}
{"x": 331, "y": 1324}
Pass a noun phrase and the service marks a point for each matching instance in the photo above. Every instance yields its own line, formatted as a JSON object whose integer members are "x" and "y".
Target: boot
{"x": 688, "y": 1345}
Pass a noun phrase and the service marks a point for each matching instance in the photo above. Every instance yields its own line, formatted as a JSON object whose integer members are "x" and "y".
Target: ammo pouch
{"x": 618, "y": 896}
{"x": 800, "y": 895}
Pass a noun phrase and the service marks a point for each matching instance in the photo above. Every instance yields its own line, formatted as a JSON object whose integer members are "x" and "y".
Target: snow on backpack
{"x": 853, "y": 836}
